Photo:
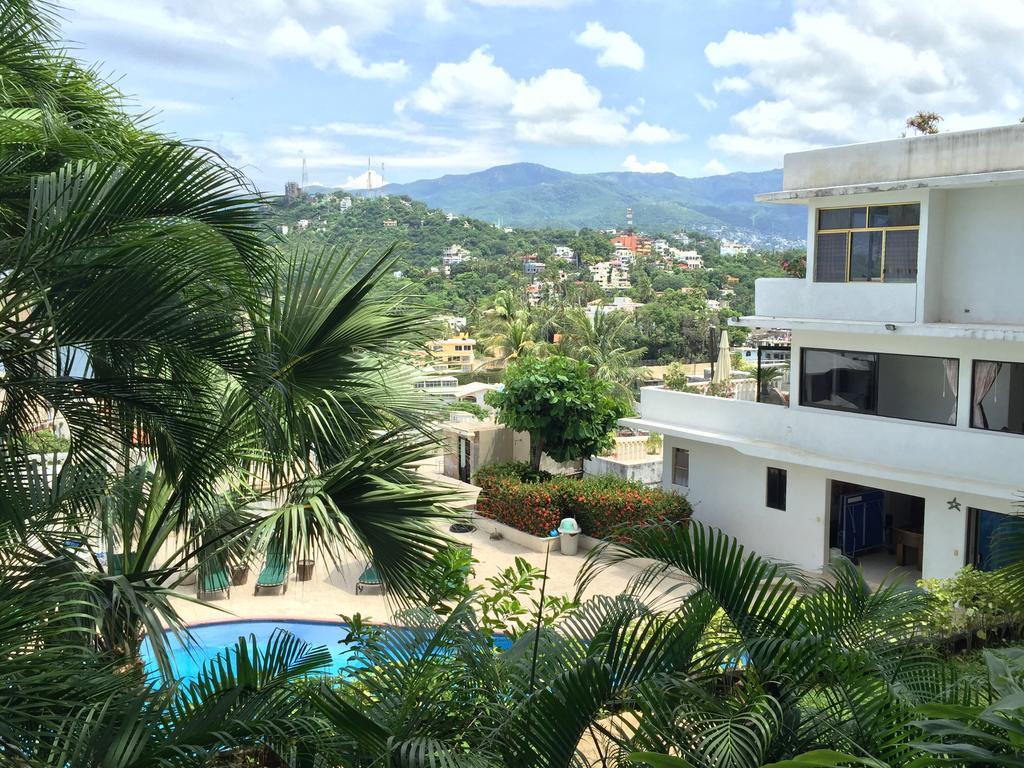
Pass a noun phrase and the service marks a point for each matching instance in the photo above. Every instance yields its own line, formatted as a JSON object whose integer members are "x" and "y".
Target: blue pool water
{"x": 212, "y": 639}
{"x": 209, "y": 640}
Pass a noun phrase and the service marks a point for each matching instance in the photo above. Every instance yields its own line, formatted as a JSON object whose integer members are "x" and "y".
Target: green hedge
{"x": 602, "y": 505}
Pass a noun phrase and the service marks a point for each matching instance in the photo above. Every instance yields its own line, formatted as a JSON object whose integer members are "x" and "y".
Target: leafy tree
{"x": 675, "y": 326}
{"x": 602, "y": 341}
{"x": 567, "y": 410}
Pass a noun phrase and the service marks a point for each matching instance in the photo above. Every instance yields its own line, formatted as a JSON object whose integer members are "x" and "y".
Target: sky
{"x": 429, "y": 87}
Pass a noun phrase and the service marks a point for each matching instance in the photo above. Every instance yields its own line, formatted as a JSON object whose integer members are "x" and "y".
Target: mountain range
{"x": 531, "y": 195}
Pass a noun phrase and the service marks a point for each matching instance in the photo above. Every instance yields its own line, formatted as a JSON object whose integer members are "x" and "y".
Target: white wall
{"x": 983, "y": 256}
{"x": 727, "y": 491}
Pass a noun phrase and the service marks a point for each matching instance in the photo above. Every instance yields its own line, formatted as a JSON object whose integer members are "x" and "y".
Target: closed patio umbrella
{"x": 723, "y": 367}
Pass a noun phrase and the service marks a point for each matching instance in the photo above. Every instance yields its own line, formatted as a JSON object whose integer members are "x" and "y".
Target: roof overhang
{"x": 781, "y": 453}
{"x": 978, "y": 331}
{"x": 964, "y": 181}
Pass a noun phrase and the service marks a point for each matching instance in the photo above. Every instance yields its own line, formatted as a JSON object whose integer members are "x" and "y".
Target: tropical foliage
{"x": 568, "y": 412}
{"x": 603, "y": 505}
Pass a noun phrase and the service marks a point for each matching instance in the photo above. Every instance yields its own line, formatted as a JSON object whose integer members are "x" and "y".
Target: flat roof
{"x": 981, "y": 331}
{"x": 956, "y": 159}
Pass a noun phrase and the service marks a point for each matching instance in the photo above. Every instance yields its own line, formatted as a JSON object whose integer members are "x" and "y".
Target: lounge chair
{"x": 274, "y": 573}
{"x": 369, "y": 578}
{"x": 213, "y": 578}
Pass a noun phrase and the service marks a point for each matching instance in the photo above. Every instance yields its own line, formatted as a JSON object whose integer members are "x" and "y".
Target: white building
{"x": 344, "y": 204}
{"x": 533, "y": 267}
{"x": 624, "y": 255}
{"x": 689, "y": 259}
{"x": 564, "y": 253}
{"x": 905, "y": 430}
{"x": 302, "y": 224}
{"x": 452, "y": 255}
{"x": 609, "y": 274}
{"x": 619, "y": 304}
{"x": 660, "y": 246}
{"x": 730, "y": 248}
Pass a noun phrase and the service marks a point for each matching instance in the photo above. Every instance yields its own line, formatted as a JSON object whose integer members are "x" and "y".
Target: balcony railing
{"x": 801, "y": 298}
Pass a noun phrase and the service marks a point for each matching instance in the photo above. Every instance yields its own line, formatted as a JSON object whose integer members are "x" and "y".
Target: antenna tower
{"x": 305, "y": 174}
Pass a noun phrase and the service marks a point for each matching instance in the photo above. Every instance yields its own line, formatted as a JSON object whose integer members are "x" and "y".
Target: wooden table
{"x": 914, "y": 540}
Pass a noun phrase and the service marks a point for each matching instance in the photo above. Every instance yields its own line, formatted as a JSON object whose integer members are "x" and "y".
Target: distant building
{"x": 397, "y": 274}
{"x": 533, "y": 267}
{"x": 688, "y": 259}
{"x": 344, "y": 204}
{"x": 660, "y": 246}
{"x": 292, "y": 190}
{"x": 390, "y": 223}
{"x": 302, "y": 224}
{"x": 730, "y": 248}
{"x": 610, "y": 275}
{"x": 282, "y": 228}
{"x": 619, "y": 304}
{"x": 443, "y": 386}
{"x": 454, "y": 355}
{"x": 454, "y": 323}
{"x": 564, "y": 253}
{"x": 452, "y": 255}
{"x": 624, "y": 255}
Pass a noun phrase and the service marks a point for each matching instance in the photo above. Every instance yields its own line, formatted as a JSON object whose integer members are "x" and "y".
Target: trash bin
{"x": 305, "y": 570}
{"x": 568, "y": 535}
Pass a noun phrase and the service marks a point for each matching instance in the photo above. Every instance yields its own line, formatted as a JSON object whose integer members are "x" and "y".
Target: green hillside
{"x": 529, "y": 195}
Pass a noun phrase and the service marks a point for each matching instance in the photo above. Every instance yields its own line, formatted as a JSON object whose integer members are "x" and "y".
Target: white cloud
{"x": 714, "y": 167}
{"x": 359, "y": 181}
{"x": 733, "y": 84}
{"x": 617, "y": 49}
{"x": 557, "y": 106}
{"x": 631, "y": 163}
{"x": 476, "y": 83}
{"x": 328, "y": 47}
{"x": 708, "y": 103}
{"x": 844, "y": 71}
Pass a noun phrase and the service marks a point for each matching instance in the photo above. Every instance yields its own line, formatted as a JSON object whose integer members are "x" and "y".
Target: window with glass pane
{"x": 775, "y": 490}
{"x": 866, "y": 256}
{"x": 901, "y": 256}
{"x": 680, "y": 467}
{"x": 914, "y": 387}
{"x": 841, "y": 380}
{"x": 908, "y": 215}
{"x": 997, "y": 401}
{"x": 830, "y": 258}
{"x": 842, "y": 218}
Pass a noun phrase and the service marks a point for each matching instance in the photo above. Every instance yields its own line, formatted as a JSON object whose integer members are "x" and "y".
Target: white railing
{"x": 632, "y": 449}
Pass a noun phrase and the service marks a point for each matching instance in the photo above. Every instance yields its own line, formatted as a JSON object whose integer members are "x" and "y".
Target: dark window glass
{"x": 918, "y": 388}
{"x": 901, "y": 256}
{"x": 775, "y": 495}
{"x": 841, "y": 380}
{"x": 842, "y": 218}
{"x": 830, "y": 258}
{"x": 866, "y": 256}
{"x": 680, "y": 467}
{"x": 895, "y": 215}
{"x": 997, "y": 397}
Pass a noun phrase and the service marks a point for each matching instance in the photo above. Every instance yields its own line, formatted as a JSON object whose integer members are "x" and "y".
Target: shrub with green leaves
{"x": 603, "y": 505}
{"x": 972, "y": 603}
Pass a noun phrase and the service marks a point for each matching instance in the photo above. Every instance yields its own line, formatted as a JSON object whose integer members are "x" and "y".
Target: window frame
{"x": 970, "y": 422}
{"x": 782, "y": 482}
{"x": 874, "y": 394}
{"x": 675, "y": 466}
{"x": 848, "y": 231}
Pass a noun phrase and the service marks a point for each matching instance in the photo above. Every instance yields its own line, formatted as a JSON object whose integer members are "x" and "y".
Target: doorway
{"x": 465, "y": 459}
{"x": 983, "y": 529}
{"x": 879, "y": 529}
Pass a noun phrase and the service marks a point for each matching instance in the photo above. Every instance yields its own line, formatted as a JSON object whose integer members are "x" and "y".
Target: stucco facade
{"x": 921, "y": 346}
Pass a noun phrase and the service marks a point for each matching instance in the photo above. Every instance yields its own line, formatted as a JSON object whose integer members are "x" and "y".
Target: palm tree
{"x": 509, "y": 330}
{"x": 604, "y": 342}
{"x": 200, "y": 370}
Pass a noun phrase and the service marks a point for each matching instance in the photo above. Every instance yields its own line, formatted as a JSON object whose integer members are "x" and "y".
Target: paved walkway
{"x": 332, "y": 590}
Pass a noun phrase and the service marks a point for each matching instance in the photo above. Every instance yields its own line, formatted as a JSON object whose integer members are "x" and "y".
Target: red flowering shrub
{"x": 530, "y": 507}
{"x": 602, "y": 505}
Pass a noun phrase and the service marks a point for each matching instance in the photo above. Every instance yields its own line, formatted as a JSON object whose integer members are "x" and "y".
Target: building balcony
{"x": 973, "y": 461}
{"x": 801, "y": 299}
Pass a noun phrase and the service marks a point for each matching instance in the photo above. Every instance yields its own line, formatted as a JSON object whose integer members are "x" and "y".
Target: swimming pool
{"x": 214, "y": 638}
